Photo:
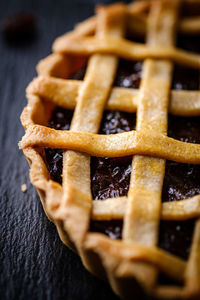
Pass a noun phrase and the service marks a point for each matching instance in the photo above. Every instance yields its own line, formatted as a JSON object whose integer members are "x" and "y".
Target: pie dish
{"x": 117, "y": 175}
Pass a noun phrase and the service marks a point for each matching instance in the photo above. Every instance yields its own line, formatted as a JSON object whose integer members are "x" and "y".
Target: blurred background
{"x": 34, "y": 262}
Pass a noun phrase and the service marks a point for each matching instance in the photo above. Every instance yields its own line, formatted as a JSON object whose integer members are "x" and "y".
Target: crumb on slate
{"x": 24, "y": 188}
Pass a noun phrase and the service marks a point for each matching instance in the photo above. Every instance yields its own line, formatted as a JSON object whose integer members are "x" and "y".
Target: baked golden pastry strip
{"x": 114, "y": 145}
{"x": 142, "y": 214}
{"x": 124, "y": 49}
{"x": 91, "y": 99}
{"x": 134, "y": 252}
{"x": 114, "y": 208}
{"x": 64, "y": 93}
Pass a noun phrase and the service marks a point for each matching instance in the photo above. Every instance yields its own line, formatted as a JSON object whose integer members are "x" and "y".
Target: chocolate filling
{"x": 110, "y": 177}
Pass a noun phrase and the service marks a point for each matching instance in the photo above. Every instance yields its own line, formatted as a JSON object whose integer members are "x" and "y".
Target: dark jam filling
{"x": 181, "y": 180}
{"x": 60, "y": 120}
{"x": 188, "y": 42}
{"x": 128, "y": 74}
{"x": 186, "y": 78}
{"x": 79, "y": 75}
{"x": 189, "y": 9}
{"x": 180, "y": 78}
{"x": 110, "y": 177}
{"x": 175, "y": 235}
{"x": 111, "y": 228}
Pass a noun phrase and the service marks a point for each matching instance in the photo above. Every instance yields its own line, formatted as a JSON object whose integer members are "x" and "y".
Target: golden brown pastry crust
{"x": 136, "y": 255}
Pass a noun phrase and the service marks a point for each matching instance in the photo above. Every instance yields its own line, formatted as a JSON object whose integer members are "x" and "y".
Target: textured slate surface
{"x": 34, "y": 262}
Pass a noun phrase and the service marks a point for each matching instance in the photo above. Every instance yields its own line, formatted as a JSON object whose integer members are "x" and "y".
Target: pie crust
{"x": 70, "y": 206}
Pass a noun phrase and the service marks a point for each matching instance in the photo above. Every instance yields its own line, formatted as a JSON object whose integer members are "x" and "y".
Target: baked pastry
{"x": 102, "y": 176}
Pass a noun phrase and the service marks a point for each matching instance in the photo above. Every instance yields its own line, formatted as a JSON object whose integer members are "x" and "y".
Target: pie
{"x": 112, "y": 138}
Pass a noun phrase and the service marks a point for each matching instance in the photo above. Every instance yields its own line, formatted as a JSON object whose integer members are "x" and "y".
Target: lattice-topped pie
{"x": 113, "y": 140}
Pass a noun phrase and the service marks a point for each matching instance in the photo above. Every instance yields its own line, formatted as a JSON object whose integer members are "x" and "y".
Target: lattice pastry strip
{"x": 64, "y": 92}
{"x": 72, "y": 203}
{"x": 141, "y": 220}
{"x": 114, "y": 208}
{"x": 90, "y": 104}
{"x": 118, "y": 145}
{"x": 125, "y": 49}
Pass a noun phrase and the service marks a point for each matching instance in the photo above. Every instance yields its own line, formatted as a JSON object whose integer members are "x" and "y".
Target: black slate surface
{"x": 34, "y": 262}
